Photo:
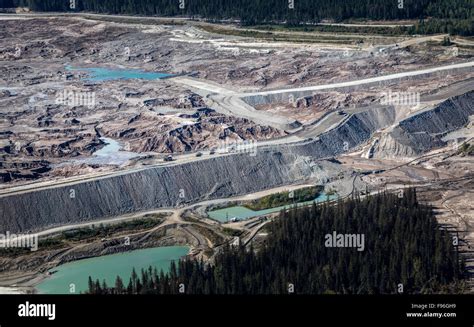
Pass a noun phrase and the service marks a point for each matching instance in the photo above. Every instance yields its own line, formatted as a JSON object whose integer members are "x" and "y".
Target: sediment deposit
{"x": 222, "y": 176}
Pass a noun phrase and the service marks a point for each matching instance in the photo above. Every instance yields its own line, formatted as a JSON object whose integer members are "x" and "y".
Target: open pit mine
{"x": 109, "y": 121}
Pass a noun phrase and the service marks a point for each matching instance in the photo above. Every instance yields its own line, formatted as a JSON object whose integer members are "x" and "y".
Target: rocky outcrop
{"x": 189, "y": 101}
{"x": 23, "y": 170}
{"x": 194, "y": 131}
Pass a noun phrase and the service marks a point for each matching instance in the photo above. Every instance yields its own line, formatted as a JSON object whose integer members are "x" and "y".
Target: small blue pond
{"x": 243, "y": 213}
{"x": 98, "y": 74}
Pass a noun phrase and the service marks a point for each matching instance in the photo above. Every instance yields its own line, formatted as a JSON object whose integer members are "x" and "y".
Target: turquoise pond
{"x": 108, "y": 267}
{"x": 243, "y": 213}
{"x": 98, "y": 74}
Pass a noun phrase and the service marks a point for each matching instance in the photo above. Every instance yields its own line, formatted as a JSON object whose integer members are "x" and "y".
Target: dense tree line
{"x": 403, "y": 245}
{"x": 455, "y": 16}
{"x": 285, "y": 198}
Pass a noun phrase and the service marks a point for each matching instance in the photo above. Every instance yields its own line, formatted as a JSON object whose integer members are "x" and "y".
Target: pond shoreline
{"x": 241, "y": 212}
{"x": 107, "y": 267}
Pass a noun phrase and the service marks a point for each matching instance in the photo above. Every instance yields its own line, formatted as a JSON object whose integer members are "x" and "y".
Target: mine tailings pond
{"x": 108, "y": 267}
{"x": 242, "y": 213}
{"x": 110, "y": 154}
{"x": 98, "y": 74}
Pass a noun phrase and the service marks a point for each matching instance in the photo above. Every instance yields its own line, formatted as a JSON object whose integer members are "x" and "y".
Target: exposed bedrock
{"x": 222, "y": 176}
{"x": 424, "y": 131}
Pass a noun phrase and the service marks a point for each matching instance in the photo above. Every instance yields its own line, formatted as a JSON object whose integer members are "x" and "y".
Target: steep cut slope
{"x": 218, "y": 177}
{"x": 424, "y": 131}
{"x": 229, "y": 175}
{"x": 155, "y": 188}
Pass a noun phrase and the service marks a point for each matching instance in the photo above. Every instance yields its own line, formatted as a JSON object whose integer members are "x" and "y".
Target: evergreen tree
{"x": 446, "y": 16}
{"x": 403, "y": 244}
{"x": 119, "y": 288}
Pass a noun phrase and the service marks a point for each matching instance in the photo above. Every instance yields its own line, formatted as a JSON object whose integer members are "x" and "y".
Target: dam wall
{"x": 152, "y": 188}
{"x": 221, "y": 176}
{"x": 424, "y": 131}
{"x": 357, "y": 129}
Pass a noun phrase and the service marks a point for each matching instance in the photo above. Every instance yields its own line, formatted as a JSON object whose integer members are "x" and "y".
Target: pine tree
{"x": 119, "y": 288}
{"x": 403, "y": 244}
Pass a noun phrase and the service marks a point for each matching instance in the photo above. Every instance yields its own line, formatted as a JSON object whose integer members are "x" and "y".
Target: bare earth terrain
{"x": 306, "y": 112}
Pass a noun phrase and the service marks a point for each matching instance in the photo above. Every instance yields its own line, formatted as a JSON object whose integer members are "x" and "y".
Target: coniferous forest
{"x": 404, "y": 247}
{"x": 435, "y": 16}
